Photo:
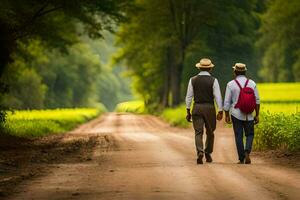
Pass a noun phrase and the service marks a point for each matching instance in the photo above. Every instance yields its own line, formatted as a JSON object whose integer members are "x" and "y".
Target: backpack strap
{"x": 238, "y": 84}
{"x": 246, "y": 83}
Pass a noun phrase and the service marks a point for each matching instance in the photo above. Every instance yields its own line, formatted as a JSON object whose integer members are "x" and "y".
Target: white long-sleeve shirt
{"x": 216, "y": 92}
{"x": 232, "y": 95}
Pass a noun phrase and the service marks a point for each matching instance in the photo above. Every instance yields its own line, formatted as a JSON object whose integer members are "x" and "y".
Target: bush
{"x": 278, "y": 131}
{"x": 176, "y": 116}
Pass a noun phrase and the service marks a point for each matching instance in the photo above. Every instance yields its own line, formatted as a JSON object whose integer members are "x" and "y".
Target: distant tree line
{"x": 43, "y": 78}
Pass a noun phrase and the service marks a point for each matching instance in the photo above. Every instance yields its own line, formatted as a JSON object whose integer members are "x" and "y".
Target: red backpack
{"x": 246, "y": 102}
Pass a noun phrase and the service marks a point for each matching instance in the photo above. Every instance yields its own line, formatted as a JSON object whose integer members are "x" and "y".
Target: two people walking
{"x": 241, "y": 99}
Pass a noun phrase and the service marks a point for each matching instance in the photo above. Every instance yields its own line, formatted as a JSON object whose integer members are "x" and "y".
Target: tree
{"x": 53, "y": 22}
{"x": 27, "y": 89}
{"x": 279, "y": 41}
{"x": 41, "y": 77}
{"x": 165, "y": 39}
{"x": 43, "y": 19}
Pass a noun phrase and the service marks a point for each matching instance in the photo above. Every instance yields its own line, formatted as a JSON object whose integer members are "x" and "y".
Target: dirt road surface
{"x": 141, "y": 157}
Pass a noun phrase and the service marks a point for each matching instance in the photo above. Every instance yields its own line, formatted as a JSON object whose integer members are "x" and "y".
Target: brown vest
{"x": 203, "y": 89}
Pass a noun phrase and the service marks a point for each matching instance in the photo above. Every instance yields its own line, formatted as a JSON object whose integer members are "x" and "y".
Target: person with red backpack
{"x": 241, "y": 100}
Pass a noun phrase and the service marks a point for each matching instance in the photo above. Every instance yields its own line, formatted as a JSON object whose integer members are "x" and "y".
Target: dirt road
{"x": 141, "y": 157}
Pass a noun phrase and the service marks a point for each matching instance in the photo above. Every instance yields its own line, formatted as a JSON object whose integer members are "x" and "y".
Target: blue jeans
{"x": 239, "y": 127}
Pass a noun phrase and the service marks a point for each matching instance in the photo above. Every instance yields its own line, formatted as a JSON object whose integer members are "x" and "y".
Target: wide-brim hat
{"x": 205, "y": 63}
{"x": 241, "y": 67}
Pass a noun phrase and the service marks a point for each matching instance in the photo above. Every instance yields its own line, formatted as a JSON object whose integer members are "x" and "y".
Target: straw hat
{"x": 205, "y": 63}
{"x": 241, "y": 67}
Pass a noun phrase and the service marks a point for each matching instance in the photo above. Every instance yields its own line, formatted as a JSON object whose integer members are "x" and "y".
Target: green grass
{"x": 277, "y": 131}
{"x": 131, "y": 106}
{"x": 176, "y": 116}
{"x": 33, "y": 123}
{"x": 279, "y": 92}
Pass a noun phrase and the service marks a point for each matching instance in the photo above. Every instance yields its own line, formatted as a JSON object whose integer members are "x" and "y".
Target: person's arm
{"x": 227, "y": 104}
{"x": 257, "y": 108}
{"x": 256, "y": 118}
{"x": 188, "y": 100}
{"x": 218, "y": 99}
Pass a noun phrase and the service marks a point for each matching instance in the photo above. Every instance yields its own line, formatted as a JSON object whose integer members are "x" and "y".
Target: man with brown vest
{"x": 205, "y": 89}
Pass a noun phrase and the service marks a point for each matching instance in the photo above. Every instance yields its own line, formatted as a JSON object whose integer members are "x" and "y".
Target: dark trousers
{"x": 239, "y": 127}
{"x": 204, "y": 115}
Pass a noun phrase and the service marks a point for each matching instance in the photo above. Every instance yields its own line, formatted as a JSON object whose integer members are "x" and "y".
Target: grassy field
{"x": 34, "y": 123}
{"x": 131, "y": 106}
{"x": 285, "y": 108}
{"x": 279, "y": 92}
{"x": 280, "y": 119}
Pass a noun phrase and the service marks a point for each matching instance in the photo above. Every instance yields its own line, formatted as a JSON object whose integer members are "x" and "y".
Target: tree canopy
{"x": 54, "y": 21}
{"x": 163, "y": 41}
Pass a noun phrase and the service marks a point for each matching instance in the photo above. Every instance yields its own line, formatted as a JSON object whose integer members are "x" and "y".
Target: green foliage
{"x": 34, "y": 19}
{"x": 165, "y": 39}
{"x": 112, "y": 85}
{"x": 43, "y": 78}
{"x": 279, "y": 39}
{"x": 73, "y": 77}
{"x": 27, "y": 91}
{"x": 131, "y": 106}
{"x": 43, "y": 122}
{"x": 144, "y": 57}
{"x": 278, "y": 131}
{"x": 54, "y": 24}
{"x": 176, "y": 116}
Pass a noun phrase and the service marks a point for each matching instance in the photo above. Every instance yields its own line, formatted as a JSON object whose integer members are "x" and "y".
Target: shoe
{"x": 208, "y": 158}
{"x": 247, "y": 158}
{"x": 240, "y": 162}
{"x": 199, "y": 160}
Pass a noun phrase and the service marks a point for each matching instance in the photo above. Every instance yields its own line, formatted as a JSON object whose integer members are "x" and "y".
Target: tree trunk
{"x": 7, "y": 43}
{"x": 167, "y": 78}
{"x": 175, "y": 86}
{"x": 176, "y": 79}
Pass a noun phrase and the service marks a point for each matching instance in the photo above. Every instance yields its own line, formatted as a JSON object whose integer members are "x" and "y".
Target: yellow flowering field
{"x": 29, "y": 123}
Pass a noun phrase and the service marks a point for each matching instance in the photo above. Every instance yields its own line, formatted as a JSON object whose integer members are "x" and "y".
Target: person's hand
{"x": 220, "y": 115}
{"x": 227, "y": 119}
{"x": 188, "y": 115}
{"x": 256, "y": 119}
